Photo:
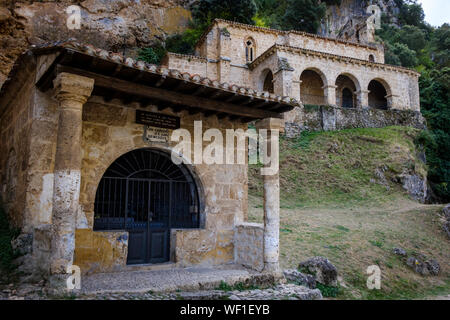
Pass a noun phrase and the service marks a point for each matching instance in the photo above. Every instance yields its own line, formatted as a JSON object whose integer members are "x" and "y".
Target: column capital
{"x": 329, "y": 86}
{"x": 70, "y": 86}
{"x": 270, "y": 123}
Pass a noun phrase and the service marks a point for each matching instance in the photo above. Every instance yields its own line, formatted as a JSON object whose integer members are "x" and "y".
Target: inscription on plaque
{"x": 157, "y": 120}
{"x": 158, "y": 135}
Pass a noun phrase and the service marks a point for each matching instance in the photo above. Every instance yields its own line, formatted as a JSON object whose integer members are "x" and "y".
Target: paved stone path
{"x": 174, "y": 283}
{"x": 184, "y": 279}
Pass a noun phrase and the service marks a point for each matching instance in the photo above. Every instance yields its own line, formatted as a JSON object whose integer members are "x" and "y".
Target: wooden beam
{"x": 172, "y": 97}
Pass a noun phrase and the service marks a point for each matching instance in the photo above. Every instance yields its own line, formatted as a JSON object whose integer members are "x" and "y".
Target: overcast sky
{"x": 437, "y": 12}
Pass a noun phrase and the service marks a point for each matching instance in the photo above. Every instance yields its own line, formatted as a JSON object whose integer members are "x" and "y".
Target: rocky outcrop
{"x": 323, "y": 270}
{"x": 303, "y": 279}
{"x": 348, "y": 20}
{"x": 120, "y": 25}
{"x": 424, "y": 267}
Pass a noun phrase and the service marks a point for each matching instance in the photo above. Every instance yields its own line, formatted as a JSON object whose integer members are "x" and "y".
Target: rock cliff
{"x": 117, "y": 25}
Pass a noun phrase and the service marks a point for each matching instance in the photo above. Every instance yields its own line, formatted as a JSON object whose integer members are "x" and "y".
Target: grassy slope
{"x": 330, "y": 207}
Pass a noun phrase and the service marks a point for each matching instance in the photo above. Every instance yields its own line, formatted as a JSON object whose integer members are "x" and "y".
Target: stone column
{"x": 71, "y": 91}
{"x": 271, "y": 241}
{"x": 362, "y": 97}
{"x": 330, "y": 94}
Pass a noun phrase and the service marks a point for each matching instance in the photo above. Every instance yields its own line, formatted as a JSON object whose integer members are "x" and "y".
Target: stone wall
{"x": 248, "y": 245}
{"x": 109, "y": 131}
{"x": 327, "y": 118}
{"x": 265, "y": 38}
{"x": 15, "y": 126}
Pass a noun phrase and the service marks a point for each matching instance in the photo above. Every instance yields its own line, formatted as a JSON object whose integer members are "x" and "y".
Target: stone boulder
{"x": 446, "y": 228}
{"x": 300, "y": 278}
{"x": 323, "y": 270}
{"x": 425, "y": 268}
{"x": 446, "y": 212}
{"x": 399, "y": 251}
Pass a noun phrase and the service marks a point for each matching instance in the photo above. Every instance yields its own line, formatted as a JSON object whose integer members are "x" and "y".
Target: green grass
{"x": 330, "y": 207}
{"x": 337, "y": 169}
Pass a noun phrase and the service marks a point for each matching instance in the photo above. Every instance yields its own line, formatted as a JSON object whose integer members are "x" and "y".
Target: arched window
{"x": 250, "y": 50}
{"x": 345, "y": 88}
{"x": 268, "y": 82}
{"x": 371, "y": 58}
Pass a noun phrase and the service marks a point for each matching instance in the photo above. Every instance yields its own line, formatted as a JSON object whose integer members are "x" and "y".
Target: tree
{"x": 205, "y": 11}
{"x": 303, "y": 15}
{"x": 400, "y": 54}
{"x": 411, "y": 13}
{"x": 411, "y": 36}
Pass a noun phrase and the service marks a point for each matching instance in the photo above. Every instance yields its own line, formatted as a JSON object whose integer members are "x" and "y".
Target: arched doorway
{"x": 377, "y": 95}
{"x": 347, "y": 98}
{"x": 345, "y": 91}
{"x": 311, "y": 88}
{"x": 268, "y": 82}
{"x": 146, "y": 194}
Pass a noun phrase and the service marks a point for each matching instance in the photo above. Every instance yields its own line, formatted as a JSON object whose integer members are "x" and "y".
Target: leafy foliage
{"x": 205, "y": 11}
{"x": 303, "y": 15}
{"x": 327, "y": 291}
{"x": 417, "y": 45}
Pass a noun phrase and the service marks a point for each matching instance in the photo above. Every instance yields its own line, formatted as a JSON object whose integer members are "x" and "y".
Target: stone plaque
{"x": 157, "y": 120}
{"x": 158, "y": 135}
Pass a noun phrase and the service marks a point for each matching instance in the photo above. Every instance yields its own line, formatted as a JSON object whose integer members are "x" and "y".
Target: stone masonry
{"x": 341, "y": 74}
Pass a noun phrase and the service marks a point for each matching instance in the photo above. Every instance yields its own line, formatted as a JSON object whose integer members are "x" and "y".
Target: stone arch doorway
{"x": 378, "y": 95}
{"x": 346, "y": 88}
{"x": 311, "y": 88}
{"x": 146, "y": 194}
{"x": 267, "y": 84}
{"x": 347, "y": 98}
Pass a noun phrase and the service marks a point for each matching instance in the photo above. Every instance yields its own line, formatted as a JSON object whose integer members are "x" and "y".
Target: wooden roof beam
{"x": 175, "y": 98}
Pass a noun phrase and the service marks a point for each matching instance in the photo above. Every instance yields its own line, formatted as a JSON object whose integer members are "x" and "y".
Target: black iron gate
{"x": 145, "y": 193}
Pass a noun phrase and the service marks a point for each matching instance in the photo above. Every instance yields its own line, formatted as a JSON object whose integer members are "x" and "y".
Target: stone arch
{"x": 371, "y": 58}
{"x": 250, "y": 49}
{"x": 312, "y": 83}
{"x": 266, "y": 81}
{"x": 103, "y": 163}
{"x": 346, "y": 83}
{"x": 380, "y": 96}
{"x": 145, "y": 193}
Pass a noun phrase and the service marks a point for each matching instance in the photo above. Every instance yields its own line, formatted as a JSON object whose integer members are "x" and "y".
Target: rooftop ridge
{"x": 303, "y": 50}
{"x": 266, "y": 29}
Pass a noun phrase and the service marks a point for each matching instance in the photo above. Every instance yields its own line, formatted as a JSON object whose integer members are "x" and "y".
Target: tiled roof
{"x": 146, "y": 67}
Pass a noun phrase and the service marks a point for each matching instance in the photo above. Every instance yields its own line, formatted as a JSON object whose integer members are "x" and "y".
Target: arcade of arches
{"x": 313, "y": 91}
